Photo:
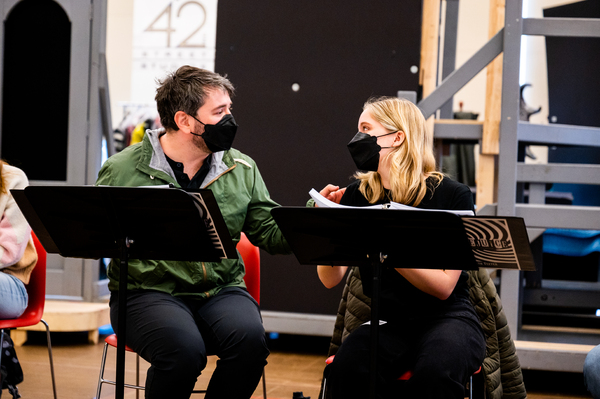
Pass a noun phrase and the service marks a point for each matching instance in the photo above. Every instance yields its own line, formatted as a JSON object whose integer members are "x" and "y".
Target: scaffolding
{"x": 557, "y": 349}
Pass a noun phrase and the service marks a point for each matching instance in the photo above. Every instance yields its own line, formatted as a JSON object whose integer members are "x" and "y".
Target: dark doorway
{"x": 35, "y": 98}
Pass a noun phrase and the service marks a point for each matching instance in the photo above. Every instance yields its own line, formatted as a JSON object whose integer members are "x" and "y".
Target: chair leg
{"x": 471, "y": 387}
{"x": 102, "y": 380}
{"x": 137, "y": 375}
{"x": 477, "y": 386}
{"x": 1, "y": 344}
{"x": 50, "y": 356}
{"x": 264, "y": 384}
{"x": 101, "y": 377}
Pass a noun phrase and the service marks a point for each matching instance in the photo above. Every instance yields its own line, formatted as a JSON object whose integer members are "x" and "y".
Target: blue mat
{"x": 105, "y": 330}
{"x": 571, "y": 242}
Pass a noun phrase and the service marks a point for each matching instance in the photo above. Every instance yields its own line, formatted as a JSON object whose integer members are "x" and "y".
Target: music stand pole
{"x": 122, "y": 317}
{"x": 377, "y": 265}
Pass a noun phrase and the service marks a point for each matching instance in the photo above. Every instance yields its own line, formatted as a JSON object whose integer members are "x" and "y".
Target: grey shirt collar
{"x": 159, "y": 161}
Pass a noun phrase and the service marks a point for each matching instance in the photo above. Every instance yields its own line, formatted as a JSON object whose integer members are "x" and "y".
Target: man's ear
{"x": 183, "y": 121}
{"x": 399, "y": 139}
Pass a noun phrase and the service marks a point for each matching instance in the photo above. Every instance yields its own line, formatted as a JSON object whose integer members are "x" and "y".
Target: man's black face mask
{"x": 219, "y": 137}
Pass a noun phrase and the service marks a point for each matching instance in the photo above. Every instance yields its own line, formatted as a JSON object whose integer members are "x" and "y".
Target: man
{"x": 177, "y": 312}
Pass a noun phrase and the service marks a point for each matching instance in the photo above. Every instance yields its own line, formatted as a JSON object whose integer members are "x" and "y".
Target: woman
{"x": 428, "y": 324}
{"x": 17, "y": 251}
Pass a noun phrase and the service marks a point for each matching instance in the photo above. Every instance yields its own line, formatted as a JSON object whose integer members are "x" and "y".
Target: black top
{"x": 183, "y": 179}
{"x": 449, "y": 194}
{"x": 399, "y": 298}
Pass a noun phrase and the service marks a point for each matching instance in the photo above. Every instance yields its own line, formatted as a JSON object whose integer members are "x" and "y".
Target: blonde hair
{"x": 411, "y": 162}
{"x": 2, "y": 182}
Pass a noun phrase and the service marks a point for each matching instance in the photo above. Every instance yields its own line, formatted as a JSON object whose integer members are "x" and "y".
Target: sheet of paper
{"x": 395, "y": 205}
{"x": 323, "y": 202}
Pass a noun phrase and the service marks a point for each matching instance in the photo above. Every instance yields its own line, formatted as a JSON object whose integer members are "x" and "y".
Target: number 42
{"x": 168, "y": 30}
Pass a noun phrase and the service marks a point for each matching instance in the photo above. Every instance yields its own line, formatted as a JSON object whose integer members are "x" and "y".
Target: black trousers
{"x": 442, "y": 353}
{"x": 175, "y": 336}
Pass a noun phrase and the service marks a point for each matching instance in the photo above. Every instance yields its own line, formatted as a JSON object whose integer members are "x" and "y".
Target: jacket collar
{"x": 154, "y": 157}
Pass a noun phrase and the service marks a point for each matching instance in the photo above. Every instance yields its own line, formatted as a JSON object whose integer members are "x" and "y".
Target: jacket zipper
{"x": 209, "y": 183}
{"x": 216, "y": 178}
{"x": 205, "y": 278}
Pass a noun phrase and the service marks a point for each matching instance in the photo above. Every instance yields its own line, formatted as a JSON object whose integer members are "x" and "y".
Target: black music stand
{"x": 378, "y": 238}
{"x": 126, "y": 223}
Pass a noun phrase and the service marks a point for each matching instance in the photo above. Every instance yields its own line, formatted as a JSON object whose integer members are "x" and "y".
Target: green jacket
{"x": 243, "y": 199}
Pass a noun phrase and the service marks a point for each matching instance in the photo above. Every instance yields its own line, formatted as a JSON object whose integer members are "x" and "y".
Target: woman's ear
{"x": 399, "y": 139}
{"x": 183, "y": 121}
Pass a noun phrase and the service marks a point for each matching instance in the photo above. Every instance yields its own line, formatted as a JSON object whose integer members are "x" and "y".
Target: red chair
{"x": 408, "y": 374}
{"x": 251, "y": 257}
{"x": 36, "y": 289}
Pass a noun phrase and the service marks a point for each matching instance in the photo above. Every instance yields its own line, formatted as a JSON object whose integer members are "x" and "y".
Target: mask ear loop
{"x": 203, "y": 124}
{"x": 387, "y": 134}
{"x": 394, "y": 149}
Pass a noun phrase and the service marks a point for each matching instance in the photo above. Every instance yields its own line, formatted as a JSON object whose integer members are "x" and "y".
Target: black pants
{"x": 175, "y": 336}
{"x": 442, "y": 354}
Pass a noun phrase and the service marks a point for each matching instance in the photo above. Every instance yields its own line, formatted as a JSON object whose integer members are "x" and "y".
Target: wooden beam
{"x": 486, "y": 179}
{"x": 429, "y": 49}
{"x": 493, "y": 98}
{"x": 429, "y": 45}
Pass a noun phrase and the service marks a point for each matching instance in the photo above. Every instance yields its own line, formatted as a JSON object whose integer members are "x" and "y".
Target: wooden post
{"x": 429, "y": 50}
{"x": 486, "y": 171}
{"x": 491, "y": 124}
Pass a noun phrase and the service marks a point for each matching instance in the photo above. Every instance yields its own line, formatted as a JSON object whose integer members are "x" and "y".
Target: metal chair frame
{"x": 36, "y": 289}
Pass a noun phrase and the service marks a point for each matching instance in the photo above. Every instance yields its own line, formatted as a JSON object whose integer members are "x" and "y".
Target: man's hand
{"x": 333, "y": 193}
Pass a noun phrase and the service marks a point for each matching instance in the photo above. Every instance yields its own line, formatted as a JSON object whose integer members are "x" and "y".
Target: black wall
{"x": 339, "y": 52}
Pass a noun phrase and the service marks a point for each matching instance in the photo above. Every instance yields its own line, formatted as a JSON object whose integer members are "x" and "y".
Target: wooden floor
{"x": 295, "y": 365}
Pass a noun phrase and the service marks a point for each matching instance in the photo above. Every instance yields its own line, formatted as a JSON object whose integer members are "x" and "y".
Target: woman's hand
{"x": 333, "y": 193}
{"x": 439, "y": 283}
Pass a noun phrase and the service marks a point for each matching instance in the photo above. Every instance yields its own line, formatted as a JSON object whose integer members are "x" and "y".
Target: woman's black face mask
{"x": 365, "y": 151}
{"x": 219, "y": 137}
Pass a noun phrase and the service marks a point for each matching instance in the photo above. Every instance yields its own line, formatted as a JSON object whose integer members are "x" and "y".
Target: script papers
{"x": 323, "y": 202}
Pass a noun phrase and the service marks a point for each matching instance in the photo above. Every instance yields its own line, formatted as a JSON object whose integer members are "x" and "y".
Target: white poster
{"x": 166, "y": 35}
